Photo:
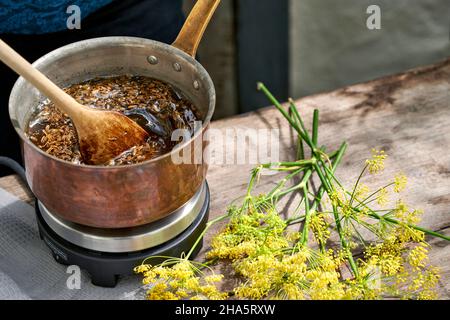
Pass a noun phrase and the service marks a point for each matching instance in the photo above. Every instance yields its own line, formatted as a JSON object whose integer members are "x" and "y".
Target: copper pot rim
{"x": 94, "y": 42}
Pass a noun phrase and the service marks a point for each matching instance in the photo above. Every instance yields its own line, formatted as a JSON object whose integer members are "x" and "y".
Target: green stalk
{"x": 304, "y": 238}
{"x": 255, "y": 173}
{"x": 304, "y": 134}
{"x": 426, "y": 231}
{"x": 301, "y": 131}
{"x": 300, "y": 185}
{"x": 357, "y": 182}
{"x": 363, "y": 202}
{"x": 208, "y": 225}
{"x": 278, "y": 105}
{"x": 375, "y": 215}
{"x": 338, "y": 154}
{"x": 289, "y": 163}
{"x": 294, "y": 220}
{"x": 297, "y": 116}
{"x": 394, "y": 221}
{"x": 321, "y": 191}
{"x": 344, "y": 242}
{"x": 300, "y": 149}
{"x": 332, "y": 177}
{"x": 315, "y": 129}
{"x": 318, "y": 198}
{"x": 335, "y": 154}
{"x": 283, "y": 182}
{"x": 302, "y": 128}
{"x": 328, "y": 188}
{"x": 325, "y": 182}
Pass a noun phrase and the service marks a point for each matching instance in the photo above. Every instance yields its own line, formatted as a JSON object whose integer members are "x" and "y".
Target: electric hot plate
{"x": 107, "y": 254}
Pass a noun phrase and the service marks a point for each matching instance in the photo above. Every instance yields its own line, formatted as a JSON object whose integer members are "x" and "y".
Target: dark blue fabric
{"x": 41, "y": 16}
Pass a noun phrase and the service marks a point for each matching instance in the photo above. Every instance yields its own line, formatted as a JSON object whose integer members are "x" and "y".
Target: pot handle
{"x": 17, "y": 168}
{"x": 192, "y": 32}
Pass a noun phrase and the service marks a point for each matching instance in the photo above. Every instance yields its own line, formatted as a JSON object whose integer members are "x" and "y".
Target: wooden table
{"x": 407, "y": 115}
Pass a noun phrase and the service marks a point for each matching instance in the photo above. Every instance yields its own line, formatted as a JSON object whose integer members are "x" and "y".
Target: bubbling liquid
{"x": 155, "y": 106}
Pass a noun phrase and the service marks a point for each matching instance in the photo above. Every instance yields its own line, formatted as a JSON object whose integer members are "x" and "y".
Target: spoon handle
{"x": 17, "y": 63}
{"x": 192, "y": 32}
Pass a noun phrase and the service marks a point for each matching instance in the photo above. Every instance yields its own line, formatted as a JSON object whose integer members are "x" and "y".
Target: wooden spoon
{"x": 102, "y": 135}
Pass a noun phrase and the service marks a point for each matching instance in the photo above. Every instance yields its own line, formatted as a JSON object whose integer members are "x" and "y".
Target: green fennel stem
{"x": 328, "y": 188}
{"x": 208, "y": 225}
{"x": 300, "y": 185}
{"x": 315, "y": 130}
{"x": 424, "y": 230}
{"x": 304, "y": 238}
{"x": 375, "y": 215}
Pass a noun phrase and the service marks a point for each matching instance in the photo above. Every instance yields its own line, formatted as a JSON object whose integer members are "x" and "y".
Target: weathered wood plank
{"x": 407, "y": 115}
{"x": 15, "y": 185}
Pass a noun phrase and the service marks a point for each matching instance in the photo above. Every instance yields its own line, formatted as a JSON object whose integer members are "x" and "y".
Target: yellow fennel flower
{"x": 382, "y": 198}
{"x": 292, "y": 291}
{"x": 418, "y": 257}
{"x": 401, "y": 210}
{"x": 214, "y": 278}
{"x": 376, "y": 163}
{"x": 179, "y": 279}
{"x": 361, "y": 192}
{"x": 400, "y": 182}
{"x": 320, "y": 228}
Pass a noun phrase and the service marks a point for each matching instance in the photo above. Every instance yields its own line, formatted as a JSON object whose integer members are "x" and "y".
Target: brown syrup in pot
{"x": 154, "y": 105}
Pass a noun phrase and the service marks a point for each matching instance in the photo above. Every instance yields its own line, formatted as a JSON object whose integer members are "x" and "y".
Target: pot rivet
{"x": 177, "y": 67}
{"x": 152, "y": 60}
{"x": 196, "y": 85}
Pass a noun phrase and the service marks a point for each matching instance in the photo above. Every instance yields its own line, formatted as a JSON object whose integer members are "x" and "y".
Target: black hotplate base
{"x": 106, "y": 268}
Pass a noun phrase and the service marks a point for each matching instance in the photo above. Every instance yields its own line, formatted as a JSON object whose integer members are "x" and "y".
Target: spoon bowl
{"x": 102, "y": 135}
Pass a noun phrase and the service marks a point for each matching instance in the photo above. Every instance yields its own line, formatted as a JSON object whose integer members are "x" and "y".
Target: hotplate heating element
{"x": 107, "y": 254}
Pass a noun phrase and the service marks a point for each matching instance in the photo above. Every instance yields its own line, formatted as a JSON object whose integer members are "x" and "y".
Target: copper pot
{"x": 130, "y": 195}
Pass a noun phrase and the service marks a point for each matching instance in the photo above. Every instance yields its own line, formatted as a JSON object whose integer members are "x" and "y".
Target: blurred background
{"x": 302, "y": 47}
{"x": 296, "y": 47}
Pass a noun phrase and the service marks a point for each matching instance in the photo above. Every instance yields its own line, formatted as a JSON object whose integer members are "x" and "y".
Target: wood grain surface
{"x": 407, "y": 115}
